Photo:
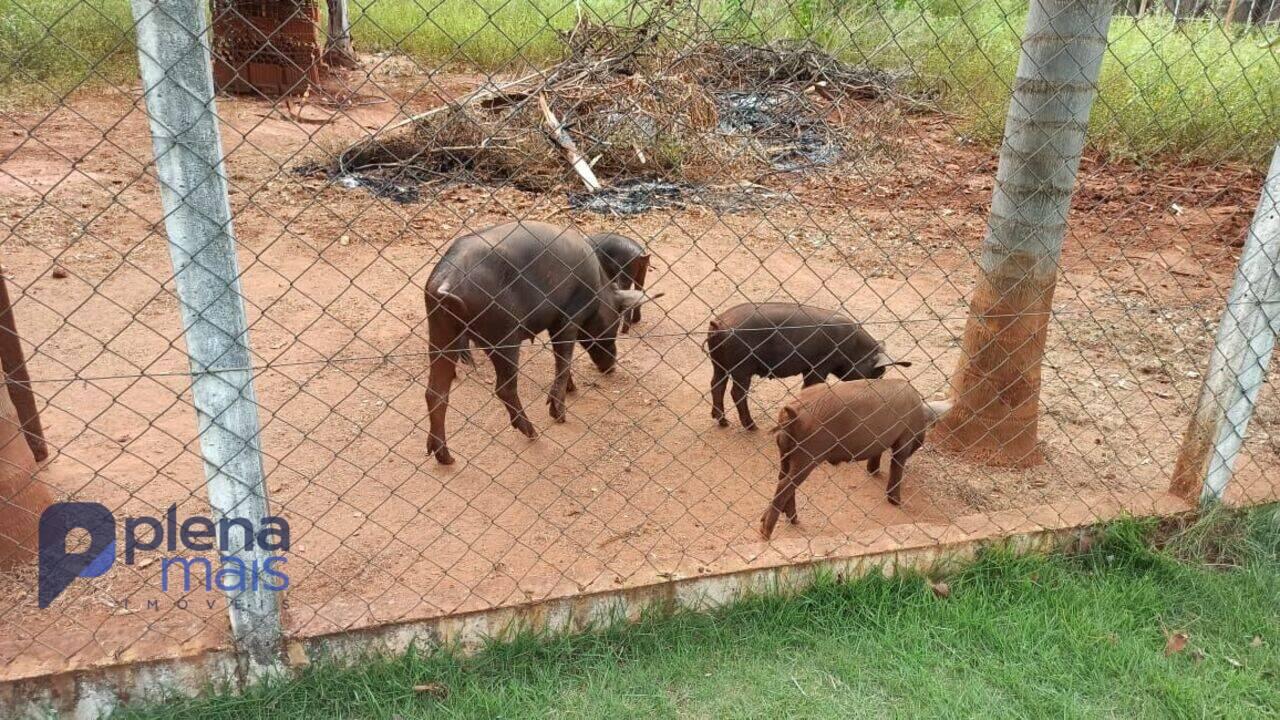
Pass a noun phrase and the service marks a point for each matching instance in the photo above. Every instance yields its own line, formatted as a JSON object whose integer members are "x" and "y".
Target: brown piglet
{"x": 847, "y": 422}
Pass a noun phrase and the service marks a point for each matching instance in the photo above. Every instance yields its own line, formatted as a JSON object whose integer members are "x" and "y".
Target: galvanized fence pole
{"x": 177, "y": 80}
{"x": 1238, "y": 363}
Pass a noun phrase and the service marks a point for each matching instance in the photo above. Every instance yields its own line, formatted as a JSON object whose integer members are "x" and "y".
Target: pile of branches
{"x": 620, "y": 108}
{"x": 797, "y": 65}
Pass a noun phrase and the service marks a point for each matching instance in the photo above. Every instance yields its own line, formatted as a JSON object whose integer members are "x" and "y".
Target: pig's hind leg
{"x": 506, "y": 365}
{"x": 897, "y": 466}
{"x": 742, "y": 384}
{"x": 443, "y": 369}
{"x": 784, "y": 496}
{"x": 719, "y": 382}
{"x": 790, "y": 507}
{"x": 873, "y": 464}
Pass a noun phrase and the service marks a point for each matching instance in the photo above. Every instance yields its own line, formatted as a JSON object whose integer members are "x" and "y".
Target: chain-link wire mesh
{"x": 840, "y": 154}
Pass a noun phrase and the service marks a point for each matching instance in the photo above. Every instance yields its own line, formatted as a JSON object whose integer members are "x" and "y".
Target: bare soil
{"x": 639, "y": 485}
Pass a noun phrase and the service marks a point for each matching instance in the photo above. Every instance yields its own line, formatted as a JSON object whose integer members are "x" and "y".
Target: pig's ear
{"x": 639, "y": 269}
{"x": 883, "y": 361}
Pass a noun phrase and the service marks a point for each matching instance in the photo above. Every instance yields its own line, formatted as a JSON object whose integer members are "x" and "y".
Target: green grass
{"x": 1188, "y": 91}
{"x": 51, "y": 47}
{"x": 1061, "y": 636}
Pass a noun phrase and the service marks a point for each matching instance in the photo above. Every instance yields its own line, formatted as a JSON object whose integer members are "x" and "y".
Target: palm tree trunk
{"x": 997, "y": 384}
{"x": 338, "y": 50}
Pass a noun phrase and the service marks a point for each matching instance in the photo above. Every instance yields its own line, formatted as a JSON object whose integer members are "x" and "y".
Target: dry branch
{"x": 561, "y": 138}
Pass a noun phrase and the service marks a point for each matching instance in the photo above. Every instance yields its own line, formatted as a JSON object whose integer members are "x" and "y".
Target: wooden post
{"x": 1238, "y": 362}
{"x": 17, "y": 379}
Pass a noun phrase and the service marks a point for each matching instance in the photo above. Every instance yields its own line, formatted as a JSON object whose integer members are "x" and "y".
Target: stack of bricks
{"x": 269, "y": 48}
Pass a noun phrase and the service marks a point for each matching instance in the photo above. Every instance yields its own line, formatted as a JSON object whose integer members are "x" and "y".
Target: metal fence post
{"x": 1238, "y": 363}
{"x": 177, "y": 80}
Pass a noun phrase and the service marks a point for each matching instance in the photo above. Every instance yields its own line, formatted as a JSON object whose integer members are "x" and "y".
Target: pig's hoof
{"x": 556, "y": 410}
{"x": 749, "y": 426}
{"x": 895, "y": 501}
{"x": 765, "y": 533}
{"x": 524, "y": 426}
{"x": 440, "y": 450}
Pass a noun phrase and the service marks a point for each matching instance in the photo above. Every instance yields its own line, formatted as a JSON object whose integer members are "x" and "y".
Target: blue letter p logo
{"x": 59, "y": 567}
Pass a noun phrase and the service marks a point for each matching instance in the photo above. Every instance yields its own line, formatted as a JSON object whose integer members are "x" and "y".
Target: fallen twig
{"x": 561, "y": 137}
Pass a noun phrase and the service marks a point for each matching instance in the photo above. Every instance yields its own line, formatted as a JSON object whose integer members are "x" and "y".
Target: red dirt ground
{"x": 639, "y": 485}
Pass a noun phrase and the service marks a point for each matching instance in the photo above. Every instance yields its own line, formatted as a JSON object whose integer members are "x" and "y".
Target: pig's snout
{"x": 873, "y": 374}
{"x": 604, "y": 354}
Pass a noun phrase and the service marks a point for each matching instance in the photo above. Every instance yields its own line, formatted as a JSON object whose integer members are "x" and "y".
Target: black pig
{"x": 625, "y": 263}
{"x": 777, "y": 339}
{"x": 503, "y": 285}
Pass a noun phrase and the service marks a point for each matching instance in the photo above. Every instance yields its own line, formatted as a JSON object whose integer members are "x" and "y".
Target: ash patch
{"x": 784, "y": 125}
{"x": 398, "y": 184}
{"x": 641, "y": 196}
{"x": 393, "y": 188}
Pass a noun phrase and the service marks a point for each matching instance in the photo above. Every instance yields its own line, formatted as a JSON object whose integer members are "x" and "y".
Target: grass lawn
{"x": 1081, "y": 635}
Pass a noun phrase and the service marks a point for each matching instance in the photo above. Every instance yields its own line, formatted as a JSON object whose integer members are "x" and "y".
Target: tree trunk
{"x": 997, "y": 384}
{"x": 16, "y": 377}
{"x": 22, "y": 496}
{"x": 338, "y": 50}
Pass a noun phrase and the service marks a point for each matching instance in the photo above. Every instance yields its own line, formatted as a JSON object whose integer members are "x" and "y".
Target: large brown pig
{"x": 847, "y": 422}
{"x": 503, "y": 285}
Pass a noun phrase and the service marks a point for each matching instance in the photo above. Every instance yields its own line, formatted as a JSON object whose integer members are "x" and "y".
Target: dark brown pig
{"x": 625, "y": 263}
{"x": 848, "y": 422}
{"x": 778, "y": 339}
{"x": 503, "y": 285}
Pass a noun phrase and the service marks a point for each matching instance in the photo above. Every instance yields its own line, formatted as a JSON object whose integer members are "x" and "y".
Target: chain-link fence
{"x": 731, "y": 208}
